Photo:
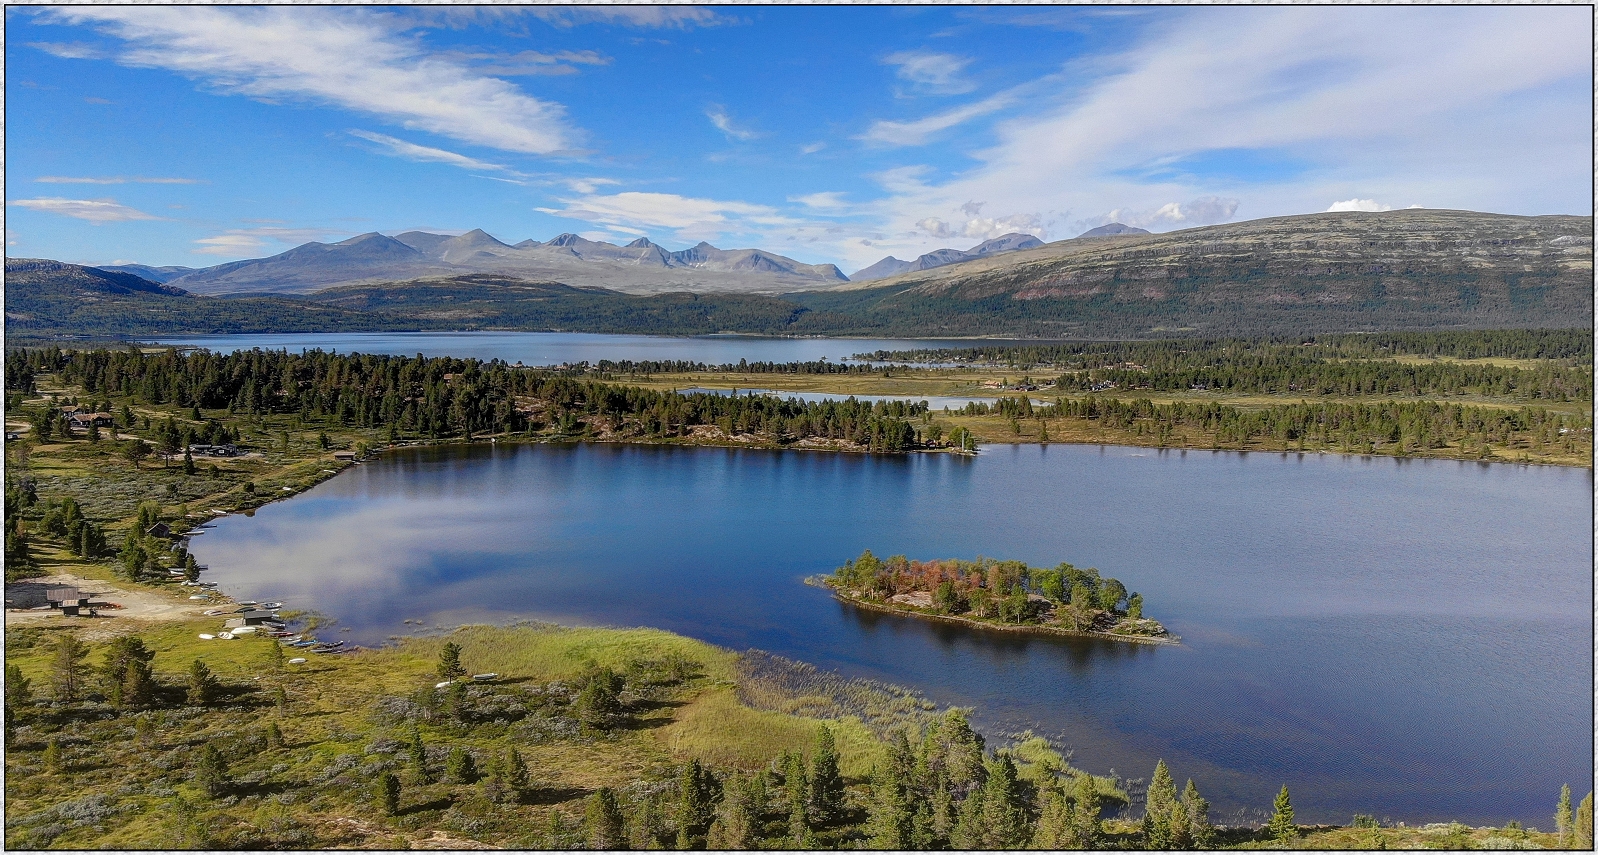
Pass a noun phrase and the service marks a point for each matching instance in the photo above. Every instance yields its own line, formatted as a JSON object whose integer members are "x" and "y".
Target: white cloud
{"x": 1367, "y": 205}
{"x": 96, "y": 211}
{"x": 115, "y": 179}
{"x": 354, "y": 60}
{"x": 422, "y": 153}
{"x": 692, "y": 219}
{"x": 822, "y": 201}
{"x": 1486, "y": 108}
{"x": 588, "y": 185}
{"x": 812, "y": 148}
{"x": 937, "y": 73}
{"x": 921, "y": 131}
{"x": 666, "y": 17}
{"x": 69, "y": 50}
{"x": 529, "y": 62}
{"x": 717, "y": 115}
{"x": 247, "y": 242}
{"x": 983, "y": 228}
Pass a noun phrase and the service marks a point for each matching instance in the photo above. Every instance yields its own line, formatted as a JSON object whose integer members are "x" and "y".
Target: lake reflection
{"x": 1401, "y": 638}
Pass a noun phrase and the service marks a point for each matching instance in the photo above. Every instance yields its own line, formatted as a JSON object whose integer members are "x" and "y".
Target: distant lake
{"x": 1409, "y": 638}
{"x": 535, "y": 348}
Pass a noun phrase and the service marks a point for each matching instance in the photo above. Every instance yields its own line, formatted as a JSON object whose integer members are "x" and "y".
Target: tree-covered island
{"x": 1008, "y": 594}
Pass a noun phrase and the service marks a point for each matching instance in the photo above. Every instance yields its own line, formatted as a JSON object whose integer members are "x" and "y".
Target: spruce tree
{"x": 138, "y": 686}
{"x": 1563, "y": 819}
{"x": 1004, "y": 820}
{"x": 19, "y": 690}
{"x": 968, "y": 827}
{"x": 889, "y": 826}
{"x": 418, "y": 757}
{"x": 449, "y": 661}
{"x": 461, "y": 768}
{"x": 796, "y": 792}
{"x": 1201, "y": 835}
{"x": 696, "y": 797}
{"x": 1584, "y": 823}
{"x": 1086, "y": 808}
{"x": 1157, "y": 809}
{"x": 736, "y": 823}
{"x": 211, "y": 771}
{"x": 1055, "y": 828}
{"x": 1281, "y": 826}
{"x": 203, "y": 686}
{"x": 602, "y": 821}
{"x": 52, "y": 756}
{"x": 826, "y": 782}
{"x": 386, "y": 789}
{"x": 516, "y": 778}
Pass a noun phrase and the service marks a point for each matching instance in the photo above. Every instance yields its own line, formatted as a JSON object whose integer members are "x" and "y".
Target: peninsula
{"x": 1009, "y": 595}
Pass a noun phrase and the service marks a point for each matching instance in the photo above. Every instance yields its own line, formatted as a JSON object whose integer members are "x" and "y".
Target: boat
{"x": 298, "y": 660}
{"x": 244, "y": 630}
{"x": 213, "y": 612}
{"x": 492, "y": 675}
{"x": 444, "y": 685}
{"x": 227, "y": 635}
{"x": 198, "y": 597}
{"x": 329, "y": 645}
{"x": 174, "y": 571}
{"x": 246, "y": 602}
{"x": 270, "y": 606}
{"x": 306, "y": 643}
{"x": 207, "y": 636}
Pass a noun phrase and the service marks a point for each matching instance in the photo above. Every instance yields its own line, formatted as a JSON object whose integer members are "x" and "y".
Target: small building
{"x": 255, "y": 617}
{"x": 343, "y": 455}
{"x": 82, "y": 421}
{"x": 160, "y": 529}
{"x": 68, "y": 600}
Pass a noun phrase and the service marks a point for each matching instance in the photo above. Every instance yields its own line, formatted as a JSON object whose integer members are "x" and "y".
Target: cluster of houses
{"x": 81, "y": 419}
{"x": 228, "y": 450}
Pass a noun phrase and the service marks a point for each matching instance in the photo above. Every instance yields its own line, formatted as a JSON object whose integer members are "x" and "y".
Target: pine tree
{"x": 1281, "y": 826}
{"x": 1563, "y": 820}
{"x": 1584, "y": 823}
{"x": 211, "y": 771}
{"x": 968, "y": 827}
{"x": 696, "y": 796}
{"x": 418, "y": 755}
{"x": 826, "y": 783}
{"x": 1004, "y": 821}
{"x": 602, "y": 821}
{"x": 386, "y": 790}
{"x": 52, "y": 756}
{"x": 449, "y": 661}
{"x": 889, "y": 826}
{"x": 1201, "y": 835}
{"x": 1157, "y": 809}
{"x": 796, "y": 792}
{"x": 138, "y": 686}
{"x": 1086, "y": 809}
{"x": 203, "y": 686}
{"x": 461, "y": 768}
{"x": 1055, "y": 827}
{"x": 66, "y": 668}
{"x": 19, "y": 690}
{"x": 735, "y": 826}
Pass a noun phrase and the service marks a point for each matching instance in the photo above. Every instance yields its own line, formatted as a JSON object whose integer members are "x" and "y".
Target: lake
{"x": 1408, "y": 638}
{"x": 546, "y": 348}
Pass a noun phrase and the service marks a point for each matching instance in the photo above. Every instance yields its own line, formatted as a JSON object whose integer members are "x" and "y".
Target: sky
{"x": 200, "y": 135}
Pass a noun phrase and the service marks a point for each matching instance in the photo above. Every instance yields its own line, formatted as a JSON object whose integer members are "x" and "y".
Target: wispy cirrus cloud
{"x": 934, "y": 73}
{"x": 530, "y": 63}
{"x": 922, "y": 131}
{"x": 69, "y": 50}
{"x": 357, "y": 61}
{"x": 114, "y": 179}
{"x": 96, "y": 211}
{"x": 425, "y": 154}
{"x": 718, "y": 116}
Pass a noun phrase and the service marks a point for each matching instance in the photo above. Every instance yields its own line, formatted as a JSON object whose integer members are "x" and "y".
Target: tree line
{"x": 1395, "y": 427}
{"x": 445, "y": 397}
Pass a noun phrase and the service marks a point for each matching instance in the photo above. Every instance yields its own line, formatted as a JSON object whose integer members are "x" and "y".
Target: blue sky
{"x": 199, "y": 135}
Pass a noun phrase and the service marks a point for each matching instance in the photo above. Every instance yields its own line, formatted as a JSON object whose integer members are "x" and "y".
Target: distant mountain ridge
{"x": 639, "y": 267}
{"x": 891, "y": 266}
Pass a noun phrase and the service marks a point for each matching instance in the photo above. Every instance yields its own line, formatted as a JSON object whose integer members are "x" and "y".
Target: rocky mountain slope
{"x": 1343, "y": 271}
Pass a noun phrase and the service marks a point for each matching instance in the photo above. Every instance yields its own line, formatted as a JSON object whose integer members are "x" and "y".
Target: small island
{"x": 1008, "y": 595}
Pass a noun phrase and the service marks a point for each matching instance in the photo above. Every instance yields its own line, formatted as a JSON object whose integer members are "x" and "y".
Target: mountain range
{"x": 1332, "y": 272}
{"x": 639, "y": 267}
{"x": 891, "y": 266}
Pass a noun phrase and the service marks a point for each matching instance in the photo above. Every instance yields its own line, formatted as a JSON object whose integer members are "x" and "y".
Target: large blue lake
{"x": 551, "y": 348}
{"x": 1405, "y": 638}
